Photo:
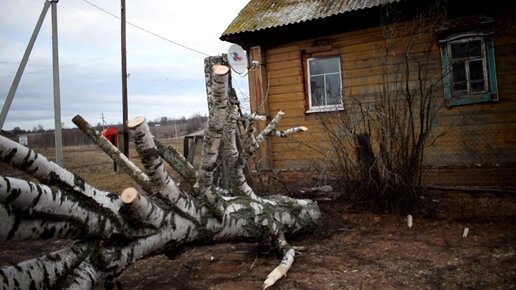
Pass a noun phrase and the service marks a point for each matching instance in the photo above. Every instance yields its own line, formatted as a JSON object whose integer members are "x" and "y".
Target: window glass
{"x": 468, "y": 69}
{"x": 459, "y": 72}
{"x": 466, "y": 49}
{"x": 333, "y": 89}
{"x": 478, "y": 86}
{"x": 317, "y": 90}
{"x": 325, "y": 83}
{"x": 476, "y": 70}
{"x": 324, "y": 66}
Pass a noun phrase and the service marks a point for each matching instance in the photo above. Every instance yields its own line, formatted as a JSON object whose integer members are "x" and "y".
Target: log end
{"x": 261, "y": 118}
{"x": 303, "y": 128}
{"x": 77, "y": 117}
{"x": 219, "y": 69}
{"x": 133, "y": 123}
{"x": 129, "y": 195}
{"x": 275, "y": 275}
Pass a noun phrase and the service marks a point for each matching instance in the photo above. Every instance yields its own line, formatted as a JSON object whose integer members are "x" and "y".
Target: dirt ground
{"x": 347, "y": 250}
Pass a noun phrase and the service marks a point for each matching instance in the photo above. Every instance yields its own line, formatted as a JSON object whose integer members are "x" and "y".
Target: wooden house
{"x": 315, "y": 57}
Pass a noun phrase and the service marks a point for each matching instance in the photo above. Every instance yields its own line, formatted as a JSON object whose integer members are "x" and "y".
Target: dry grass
{"x": 93, "y": 165}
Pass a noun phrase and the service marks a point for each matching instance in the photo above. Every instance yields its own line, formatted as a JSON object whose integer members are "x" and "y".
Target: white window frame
{"x": 324, "y": 108}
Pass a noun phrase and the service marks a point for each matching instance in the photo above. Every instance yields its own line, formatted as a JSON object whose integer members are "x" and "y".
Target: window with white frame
{"x": 469, "y": 72}
{"x": 325, "y": 84}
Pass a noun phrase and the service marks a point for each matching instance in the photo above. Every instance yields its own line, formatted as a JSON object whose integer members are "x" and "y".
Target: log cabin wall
{"x": 478, "y": 137}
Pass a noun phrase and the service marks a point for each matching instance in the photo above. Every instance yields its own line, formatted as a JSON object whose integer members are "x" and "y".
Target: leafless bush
{"x": 379, "y": 139}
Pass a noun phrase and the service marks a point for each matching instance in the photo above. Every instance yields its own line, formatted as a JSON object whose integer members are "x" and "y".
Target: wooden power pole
{"x": 125, "y": 113}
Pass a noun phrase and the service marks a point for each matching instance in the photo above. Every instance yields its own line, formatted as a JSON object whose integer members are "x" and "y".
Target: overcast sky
{"x": 165, "y": 79}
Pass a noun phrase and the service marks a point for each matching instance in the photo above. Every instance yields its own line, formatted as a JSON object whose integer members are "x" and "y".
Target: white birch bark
{"x": 152, "y": 162}
{"x": 112, "y": 151}
{"x": 49, "y": 173}
{"x": 83, "y": 277}
{"x": 150, "y": 221}
{"x": 142, "y": 208}
{"x": 43, "y": 272}
{"x": 218, "y": 103}
{"x": 45, "y": 204}
{"x": 238, "y": 180}
{"x": 178, "y": 162}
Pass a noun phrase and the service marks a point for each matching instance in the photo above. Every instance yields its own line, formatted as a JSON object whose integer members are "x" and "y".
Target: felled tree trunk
{"x": 114, "y": 230}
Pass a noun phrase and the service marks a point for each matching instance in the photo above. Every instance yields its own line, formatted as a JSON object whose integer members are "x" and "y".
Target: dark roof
{"x": 263, "y": 14}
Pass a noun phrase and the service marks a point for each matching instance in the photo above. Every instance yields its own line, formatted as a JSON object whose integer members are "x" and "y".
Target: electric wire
{"x": 146, "y": 30}
{"x": 61, "y": 65}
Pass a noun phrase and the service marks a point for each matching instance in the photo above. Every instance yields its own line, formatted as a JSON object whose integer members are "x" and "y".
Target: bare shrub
{"x": 379, "y": 139}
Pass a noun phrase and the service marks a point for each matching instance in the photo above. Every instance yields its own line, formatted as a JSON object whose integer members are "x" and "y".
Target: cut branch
{"x": 255, "y": 117}
{"x": 41, "y": 201}
{"x": 121, "y": 160}
{"x": 142, "y": 208}
{"x": 282, "y": 269}
{"x": 178, "y": 162}
{"x": 154, "y": 168}
{"x": 49, "y": 173}
{"x": 255, "y": 142}
{"x": 218, "y": 103}
{"x": 288, "y": 132}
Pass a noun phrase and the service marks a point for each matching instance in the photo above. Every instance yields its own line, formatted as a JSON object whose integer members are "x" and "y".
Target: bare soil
{"x": 347, "y": 250}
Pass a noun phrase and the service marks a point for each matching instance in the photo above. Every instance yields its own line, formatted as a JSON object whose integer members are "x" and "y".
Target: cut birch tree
{"x": 114, "y": 230}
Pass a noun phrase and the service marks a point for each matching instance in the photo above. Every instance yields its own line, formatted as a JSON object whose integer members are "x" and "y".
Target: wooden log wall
{"x": 473, "y": 134}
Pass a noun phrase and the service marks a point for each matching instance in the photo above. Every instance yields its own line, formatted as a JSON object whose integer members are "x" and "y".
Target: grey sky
{"x": 165, "y": 79}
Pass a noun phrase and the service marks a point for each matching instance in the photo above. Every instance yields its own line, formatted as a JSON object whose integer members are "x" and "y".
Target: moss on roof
{"x": 264, "y": 14}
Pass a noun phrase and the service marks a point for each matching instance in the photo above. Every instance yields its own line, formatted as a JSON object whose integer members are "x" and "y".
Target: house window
{"x": 325, "y": 84}
{"x": 469, "y": 72}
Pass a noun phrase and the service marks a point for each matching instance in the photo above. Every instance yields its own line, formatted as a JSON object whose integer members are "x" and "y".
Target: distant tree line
{"x": 45, "y": 139}
{"x": 192, "y": 124}
{"x": 20, "y": 131}
{"x": 163, "y": 127}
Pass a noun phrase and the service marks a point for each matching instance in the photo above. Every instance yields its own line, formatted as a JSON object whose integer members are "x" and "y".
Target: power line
{"x": 61, "y": 66}
{"x": 146, "y": 30}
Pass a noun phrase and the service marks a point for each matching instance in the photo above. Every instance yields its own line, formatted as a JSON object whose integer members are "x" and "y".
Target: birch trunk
{"x": 137, "y": 223}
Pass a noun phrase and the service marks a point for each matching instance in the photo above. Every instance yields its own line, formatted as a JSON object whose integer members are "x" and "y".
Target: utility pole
{"x": 55, "y": 66}
{"x": 58, "y": 137}
{"x": 125, "y": 113}
{"x": 103, "y": 121}
{"x": 23, "y": 64}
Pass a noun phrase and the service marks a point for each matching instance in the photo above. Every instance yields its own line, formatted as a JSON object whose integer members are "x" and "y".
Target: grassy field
{"x": 93, "y": 165}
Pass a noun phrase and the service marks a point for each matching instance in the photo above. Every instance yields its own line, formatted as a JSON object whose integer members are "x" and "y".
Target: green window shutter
{"x": 446, "y": 75}
{"x": 491, "y": 67}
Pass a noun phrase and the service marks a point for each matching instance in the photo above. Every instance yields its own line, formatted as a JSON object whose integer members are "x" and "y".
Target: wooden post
{"x": 125, "y": 113}
{"x": 257, "y": 81}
